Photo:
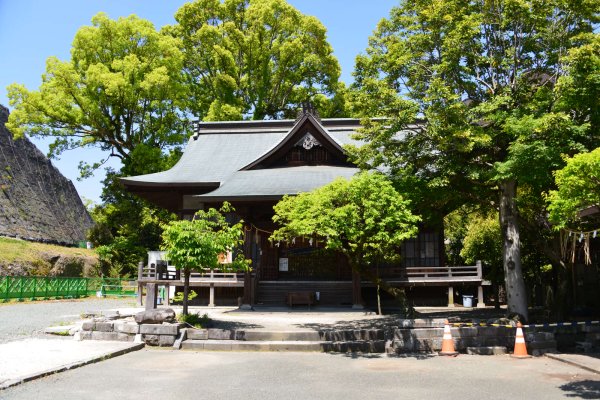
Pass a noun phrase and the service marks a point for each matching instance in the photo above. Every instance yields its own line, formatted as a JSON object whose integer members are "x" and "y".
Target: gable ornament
{"x": 308, "y": 141}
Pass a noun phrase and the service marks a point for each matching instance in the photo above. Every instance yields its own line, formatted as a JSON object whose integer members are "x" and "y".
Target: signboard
{"x": 225, "y": 258}
{"x": 283, "y": 264}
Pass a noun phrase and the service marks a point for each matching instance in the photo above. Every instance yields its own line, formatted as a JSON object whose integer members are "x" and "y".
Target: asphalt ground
{"x": 168, "y": 374}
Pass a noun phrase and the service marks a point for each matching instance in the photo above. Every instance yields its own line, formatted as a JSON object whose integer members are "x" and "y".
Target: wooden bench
{"x": 305, "y": 298}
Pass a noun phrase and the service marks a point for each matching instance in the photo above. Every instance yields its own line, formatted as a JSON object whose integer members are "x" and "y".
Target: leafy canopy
{"x": 482, "y": 75}
{"x": 578, "y": 187}
{"x": 122, "y": 87}
{"x": 197, "y": 244}
{"x": 258, "y": 58}
{"x": 364, "y": 218}
{"x": 483, "y": 242}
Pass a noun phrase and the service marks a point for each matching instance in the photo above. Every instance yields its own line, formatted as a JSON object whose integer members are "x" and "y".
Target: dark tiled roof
{"x": 218, "y": 150}
{"x": 275, "y": 182}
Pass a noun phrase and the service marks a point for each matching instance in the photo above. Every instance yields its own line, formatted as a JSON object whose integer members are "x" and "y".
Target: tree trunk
{"x": 186, "y": 290}
{"x": 357, "y": 301}
{"x": 516, "y": 294}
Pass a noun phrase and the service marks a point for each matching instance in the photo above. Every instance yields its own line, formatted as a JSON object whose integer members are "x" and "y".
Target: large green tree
{"x": 363, "y": 218}
{"x": 253, "y": 58}
{"x": 482, "y": 76}
{"x": 123, "y": 91}
{"x": 122, "y": 87}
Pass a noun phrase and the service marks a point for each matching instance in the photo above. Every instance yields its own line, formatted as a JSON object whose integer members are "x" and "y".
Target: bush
{"x": 178, "y": 298}
{"x": 194, "y": 320}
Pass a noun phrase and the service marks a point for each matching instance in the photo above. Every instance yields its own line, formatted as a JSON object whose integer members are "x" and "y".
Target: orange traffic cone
{"x": 447, "y": 342}
{"x": 520, "y": 347}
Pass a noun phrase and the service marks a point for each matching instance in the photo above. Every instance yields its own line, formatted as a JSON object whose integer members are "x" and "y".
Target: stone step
{"x": 487, "y": 350}
{"x": 244, "y": 345}
{"x": 300, "y": 336}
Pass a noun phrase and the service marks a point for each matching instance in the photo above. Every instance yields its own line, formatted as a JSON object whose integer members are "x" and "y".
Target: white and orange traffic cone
{"x": 520, "y": 347}
{"x": 447, "y": 342}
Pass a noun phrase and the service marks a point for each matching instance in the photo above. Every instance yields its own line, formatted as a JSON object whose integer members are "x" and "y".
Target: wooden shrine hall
{"x": 252, "y": 165}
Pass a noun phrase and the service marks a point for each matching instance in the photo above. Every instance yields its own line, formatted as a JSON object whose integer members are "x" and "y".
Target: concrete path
{"x": 182, "y": 375}
{"x": 588, "y": 362}
{"x": 28, "y": 359}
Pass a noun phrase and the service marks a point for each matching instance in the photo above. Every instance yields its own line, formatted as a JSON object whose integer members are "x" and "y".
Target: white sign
{"x": 283, "y": 264}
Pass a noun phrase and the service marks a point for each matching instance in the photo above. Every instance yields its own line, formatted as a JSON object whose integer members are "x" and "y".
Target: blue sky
{"x": 33, "y": 30}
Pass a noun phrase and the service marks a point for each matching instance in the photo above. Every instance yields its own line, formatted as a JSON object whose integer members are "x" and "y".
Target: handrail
{"x": 459, "y": 271}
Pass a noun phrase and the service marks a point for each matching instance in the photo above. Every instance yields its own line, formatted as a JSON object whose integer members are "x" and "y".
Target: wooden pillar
{"x": 480, "y": 302}
{"x": 247, "y": 299}
{"x": 357, "y": 301}
{"x": 450, "y": 296}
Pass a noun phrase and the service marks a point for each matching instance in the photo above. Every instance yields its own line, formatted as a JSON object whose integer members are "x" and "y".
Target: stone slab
{"x": 88, "y": 325}
{"x": 281, "y": 336}
{"x": 97, "y": 335}
{"x": 104, "y": 327}
{"x": 237, "y": 345}
{"x": 127, "y": 327}
{"x": 166, "y": 340}
{"x": 221, "y": 334}
{"x": 487, "y": 350}
{"x": 151, "y": 329}
{"x": 197, "y": 334}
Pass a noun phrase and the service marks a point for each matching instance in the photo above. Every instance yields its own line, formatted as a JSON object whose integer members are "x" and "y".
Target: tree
{"x": 483, "y": 242}
{"x": 578, "y": 187}
{"x": 482, "y": 75}
{"x": 363, "y": 218}
{"x": 257, "y": 58}
{"x": 123, "y": 87}
{"x": 122, "y": 90}
{"x": 197, "y": 244}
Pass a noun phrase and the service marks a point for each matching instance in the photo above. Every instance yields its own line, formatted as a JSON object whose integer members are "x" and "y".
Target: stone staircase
{"x": 365, "y": 341}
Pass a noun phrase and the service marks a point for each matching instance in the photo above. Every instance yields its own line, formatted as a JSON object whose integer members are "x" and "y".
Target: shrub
{"x": 194, "y": 320}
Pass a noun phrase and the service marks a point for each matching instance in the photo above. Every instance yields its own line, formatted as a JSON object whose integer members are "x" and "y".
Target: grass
{"x": 15, "y": 250}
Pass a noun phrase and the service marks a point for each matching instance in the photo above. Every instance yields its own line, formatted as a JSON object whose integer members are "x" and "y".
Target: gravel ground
{"x": 27, "y": 319}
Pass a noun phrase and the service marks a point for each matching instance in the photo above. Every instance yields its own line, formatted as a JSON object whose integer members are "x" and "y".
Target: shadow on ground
{"x": 586, "y": 389}
{"x": 374, "y": 323}
{"x": 463, "y": 314}
{"x": 359, "y": 355}
{"x": 233, "y": 325}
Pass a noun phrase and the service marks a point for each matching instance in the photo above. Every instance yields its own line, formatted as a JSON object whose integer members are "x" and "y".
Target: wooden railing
{"x": 152, "y": 273}
{"x": 444, "y": 273}
{"x": 216, "y": 276}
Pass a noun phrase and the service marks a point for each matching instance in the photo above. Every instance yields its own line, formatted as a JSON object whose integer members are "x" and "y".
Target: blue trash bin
{"x": 467, "y": 300}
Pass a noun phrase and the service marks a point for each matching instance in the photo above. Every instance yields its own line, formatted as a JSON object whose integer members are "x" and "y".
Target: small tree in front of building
{"x": 196, "y": 245}
{"x": 363, "y": 218}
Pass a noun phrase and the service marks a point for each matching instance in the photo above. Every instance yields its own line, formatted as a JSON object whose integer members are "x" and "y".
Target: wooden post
{"x": 450, "y": 296}
{"x": 357, "y": 302}
{"x": 247, "y": 299}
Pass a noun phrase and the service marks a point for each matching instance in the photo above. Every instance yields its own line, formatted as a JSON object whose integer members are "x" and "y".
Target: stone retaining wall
{"x": 152, "y": 334}
{"x": 430, "y": 340}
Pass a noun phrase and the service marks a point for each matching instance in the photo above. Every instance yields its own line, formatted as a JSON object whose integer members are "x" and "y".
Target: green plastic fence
{"x": 32, "y": 287}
